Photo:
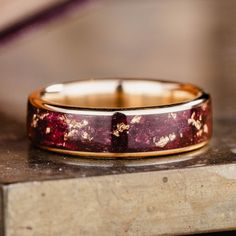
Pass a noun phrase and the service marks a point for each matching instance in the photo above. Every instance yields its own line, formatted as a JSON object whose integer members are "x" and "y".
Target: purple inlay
{"x": 120, "y": 133}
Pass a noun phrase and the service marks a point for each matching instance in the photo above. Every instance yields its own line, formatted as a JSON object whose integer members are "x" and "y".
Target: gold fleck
{"x": 121, "y": 127}
{"x": 116, "y": 133}
{"x": 205, "y": 128}
{"x": 73, "y": 124}
{"x": 162, "y": 141}
{"x": 136, "y": 119}
{"x": 172, "y": 137}
{"x": 48, "y": 130}
{"x": 34, "y": 122}
{"x": 196, "y": 123}
{"x": 204, "y": 106}
{"x": 193, "y": 115}
{"x": 199, "y": 133}
{"x": 83, "y": 123}
{"x": 74, "y": 129}
{"x": 86, "y": 136}
{"x": 172, "y": 115}
{"x": 42, "y": 116}
{"x": 71, "y": 134}
{"x": 63, "y": 118}
{"x": 37, "y": 117}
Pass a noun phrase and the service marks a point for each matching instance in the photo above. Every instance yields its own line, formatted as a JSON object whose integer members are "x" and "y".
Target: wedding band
{"x": 119, "y": 117}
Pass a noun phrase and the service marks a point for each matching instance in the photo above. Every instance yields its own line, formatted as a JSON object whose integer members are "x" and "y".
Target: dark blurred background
{"x": 187, "y": 40}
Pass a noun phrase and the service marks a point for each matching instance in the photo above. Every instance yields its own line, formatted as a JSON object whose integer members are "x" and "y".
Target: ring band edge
{"x": 125, "y": 155}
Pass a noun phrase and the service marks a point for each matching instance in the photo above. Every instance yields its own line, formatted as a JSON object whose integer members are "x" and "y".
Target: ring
{"x": 119, "y": 118}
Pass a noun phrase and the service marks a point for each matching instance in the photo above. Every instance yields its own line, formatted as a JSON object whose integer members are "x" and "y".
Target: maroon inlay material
{"x": 120, "y": 133}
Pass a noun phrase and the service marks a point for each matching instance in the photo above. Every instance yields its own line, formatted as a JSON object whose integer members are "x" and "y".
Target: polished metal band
{"x": 119, "y": 118}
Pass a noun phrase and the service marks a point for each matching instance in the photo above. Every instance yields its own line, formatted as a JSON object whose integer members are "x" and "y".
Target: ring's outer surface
{"x": 119, "y": 118}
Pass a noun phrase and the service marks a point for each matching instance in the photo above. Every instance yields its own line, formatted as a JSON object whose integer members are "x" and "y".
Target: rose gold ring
{"x": 119, "y": 117}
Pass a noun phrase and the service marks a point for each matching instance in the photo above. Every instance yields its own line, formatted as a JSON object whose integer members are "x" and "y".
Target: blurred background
{"x": 186, "y": 40}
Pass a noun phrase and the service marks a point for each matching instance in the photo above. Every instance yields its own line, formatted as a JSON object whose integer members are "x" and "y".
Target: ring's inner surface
{"x": 119, "y": 93}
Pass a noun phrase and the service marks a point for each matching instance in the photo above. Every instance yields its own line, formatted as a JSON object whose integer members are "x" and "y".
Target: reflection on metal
{"x": 144, "y": 162}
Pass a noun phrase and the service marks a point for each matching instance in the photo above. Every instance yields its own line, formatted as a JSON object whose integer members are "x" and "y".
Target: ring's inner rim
{"x": 119, "y": 93}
